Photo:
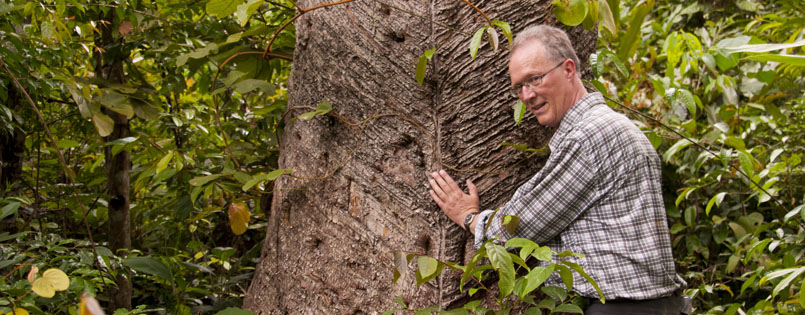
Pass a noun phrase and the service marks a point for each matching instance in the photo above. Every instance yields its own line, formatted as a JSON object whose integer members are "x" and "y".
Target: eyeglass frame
{"x": 532, "y": 82}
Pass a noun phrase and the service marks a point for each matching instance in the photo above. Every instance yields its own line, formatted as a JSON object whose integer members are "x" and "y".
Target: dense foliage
{"x": 716, "y": 85}
{"x": 193, "y": 177}
{"x": 718, "y": 88}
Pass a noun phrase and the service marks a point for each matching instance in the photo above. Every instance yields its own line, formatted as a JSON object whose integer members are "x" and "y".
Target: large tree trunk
{"x": 328, "y": 242}
{"x": 110, "y": 68}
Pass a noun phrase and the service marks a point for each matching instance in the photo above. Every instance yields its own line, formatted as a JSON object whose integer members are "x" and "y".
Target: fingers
{"x": 439, "y": 177}
{"x": 473, "y": 190}
{"x": 436, "y": 189}
{"x": 436, "y": 198}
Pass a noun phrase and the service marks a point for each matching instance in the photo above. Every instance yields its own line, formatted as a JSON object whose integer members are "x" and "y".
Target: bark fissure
{"x": 326, "y": 239}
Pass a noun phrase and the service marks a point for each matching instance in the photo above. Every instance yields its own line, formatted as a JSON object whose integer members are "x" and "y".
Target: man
{"x": 598, "y": 194}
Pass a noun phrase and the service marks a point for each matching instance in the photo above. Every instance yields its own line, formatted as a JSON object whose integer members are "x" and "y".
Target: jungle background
{"x": 141, "y": 140}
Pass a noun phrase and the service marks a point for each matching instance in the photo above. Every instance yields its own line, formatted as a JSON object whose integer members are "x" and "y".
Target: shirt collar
{"x": 573, "y": 115}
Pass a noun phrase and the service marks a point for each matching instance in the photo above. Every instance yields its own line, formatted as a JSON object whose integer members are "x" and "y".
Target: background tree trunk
{"x": 109, "y": 67}
{"x": 12, "y": 145}
{"x": 328, "y": 242}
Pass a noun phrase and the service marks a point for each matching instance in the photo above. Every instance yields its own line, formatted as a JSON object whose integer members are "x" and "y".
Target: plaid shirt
{"x": 598, "y": 195}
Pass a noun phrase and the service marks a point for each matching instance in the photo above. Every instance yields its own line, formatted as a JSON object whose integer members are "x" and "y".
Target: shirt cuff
{"x": 480, "y": 227}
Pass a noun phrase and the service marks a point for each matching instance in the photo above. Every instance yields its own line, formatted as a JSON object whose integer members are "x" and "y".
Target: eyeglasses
{"x": 532, "y": 83}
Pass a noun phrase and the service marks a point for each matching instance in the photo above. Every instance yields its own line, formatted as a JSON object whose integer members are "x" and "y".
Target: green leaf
{"x": 568, "y": 308}
{"x": 570, "y": 12}
{"x": 9, "y": 209}
{"x": 786, "y": 282}
{"x": 265, "y": 177}
{"x": 150, "y": 266}
{"x": 736, "y": 143}
{"x": 323, "y": 108}
{"x": 67, "y": 143}
{"x": 163, "y": 163}
{"x": 758, "y": 48}
{"x": 747, "y": 163}
{"x": 476, "y": 41}
{"x": 510, "y": 223}
{"x": 684, "y": 96}
{"x": 589, "y": 279}
{"x": 536, "y": 277}
{"x": 234, "y": 311}
{"x": 117, "y": 102}
{"x": 606, "y": 20}
{"x": 427, "y": 266}
{"x": 245, "y": 10}
{"x": 519, "y": 111}
{"x": 249, "y": 85}
{"x": 555, "y": 292}
{"x": 543, "y": 253}
{"x": 797, "y": 60}
{"x": 502, "y": 262}
{"x": 421, "y": 67}
{"x": 690, "y": 216}
{"x": 679, "y": 145}
{"x": 716, "y": 200}
{"x": 505, "y": 28}
{"x": 222, "y": 8}
{"x": 201, "y": 180}
{"x": 103, "y": 123}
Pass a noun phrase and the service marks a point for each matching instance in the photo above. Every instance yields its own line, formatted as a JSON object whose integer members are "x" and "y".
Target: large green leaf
{"x": 222, "y": 8}
{"x": 797, "y": 60}
{"x": 245, "y": 10}
{"x": 150, "y": 266}
{"x": 475, "y": 42}
{"x": 117, "y": 102}
{"x": 502, "y": 262}
{"x": 570, "y": 12}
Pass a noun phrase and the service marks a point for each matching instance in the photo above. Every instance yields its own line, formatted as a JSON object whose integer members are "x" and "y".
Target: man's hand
{"x": 453, "y": 201}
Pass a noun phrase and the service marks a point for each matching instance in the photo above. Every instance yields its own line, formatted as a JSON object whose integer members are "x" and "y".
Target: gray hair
{"x": 554, "y": 40}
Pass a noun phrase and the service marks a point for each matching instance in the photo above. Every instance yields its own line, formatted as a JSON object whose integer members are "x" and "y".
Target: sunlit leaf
{"x": 245, "y": 10}
{"x": 570, "y": 12}
{"x": 103, "y": 123}
{"x": 18, "y": 311}
{"x": 503, "y": 264}
{"x": 536, "y": 277}
{"x": 505, "y": 28}
{"x": 519, "y": 111}
{"x": 476, "y": 42}
{"x": 716, "y": 200}
{"x": 239, "y": 217}
{"x": 797, "y": 60}
{"x": 52, "y": 280}
{"x": 426, "y": 266}
{"x": 222, "y": 8}
{"x": 201, "y": 180}
{"x": 421, "y": 67}
{"x": 606, "y": 19}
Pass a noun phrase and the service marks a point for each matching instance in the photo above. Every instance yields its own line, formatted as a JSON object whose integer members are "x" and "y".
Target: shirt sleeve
{"x": 560, "y": 192}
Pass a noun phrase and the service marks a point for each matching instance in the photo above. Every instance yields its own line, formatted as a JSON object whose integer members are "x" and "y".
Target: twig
{"x": 488, "y": 21}
{"x": 288, "y": 22}
{"x": 67, "y": 170}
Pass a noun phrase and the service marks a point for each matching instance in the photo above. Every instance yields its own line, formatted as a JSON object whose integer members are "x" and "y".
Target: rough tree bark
{"x": 327, "y": 241}
{"x": 109, "y": 67}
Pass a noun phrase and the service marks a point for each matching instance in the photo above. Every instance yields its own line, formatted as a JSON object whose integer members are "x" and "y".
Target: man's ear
{"x": 569, "y": 67}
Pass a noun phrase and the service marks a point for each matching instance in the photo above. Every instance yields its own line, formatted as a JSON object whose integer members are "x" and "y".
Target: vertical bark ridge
{"x": 328, "y": 242}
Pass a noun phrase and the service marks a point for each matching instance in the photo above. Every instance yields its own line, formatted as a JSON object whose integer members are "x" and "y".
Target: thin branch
{"x": 288, "y": 22}
{"x": 488, "y": 21}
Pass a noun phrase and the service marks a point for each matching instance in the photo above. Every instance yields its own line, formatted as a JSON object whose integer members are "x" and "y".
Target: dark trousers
{"x": 669, "y": 305}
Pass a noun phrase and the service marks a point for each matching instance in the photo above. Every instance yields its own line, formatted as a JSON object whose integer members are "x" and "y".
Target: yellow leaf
{"x": 18, "y": 311}
{"x": 89, "y": 306}
{"x": 239, "y": 218}
{"x": 52, "y": 280}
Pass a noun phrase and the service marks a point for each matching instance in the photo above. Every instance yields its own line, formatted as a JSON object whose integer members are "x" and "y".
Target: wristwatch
{"x": 468, "y": 220}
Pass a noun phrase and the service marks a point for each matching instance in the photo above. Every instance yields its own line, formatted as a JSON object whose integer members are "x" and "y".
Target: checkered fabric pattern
{"x": 598, "y": 195}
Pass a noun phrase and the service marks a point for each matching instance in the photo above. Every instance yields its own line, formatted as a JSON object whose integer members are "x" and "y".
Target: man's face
{"x": 551, "y": 99}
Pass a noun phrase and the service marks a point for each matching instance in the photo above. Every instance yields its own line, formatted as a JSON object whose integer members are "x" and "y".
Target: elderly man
{"x": 598, "y": 194}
